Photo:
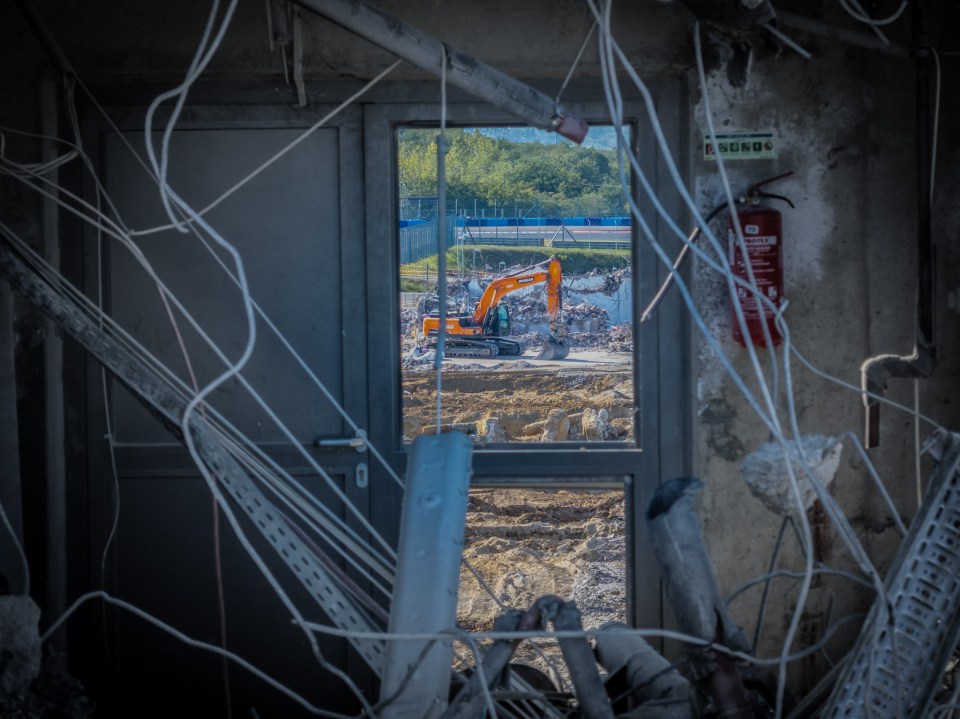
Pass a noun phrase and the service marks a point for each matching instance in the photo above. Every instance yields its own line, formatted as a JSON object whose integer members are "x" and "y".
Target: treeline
{"x": 564, "y": 179}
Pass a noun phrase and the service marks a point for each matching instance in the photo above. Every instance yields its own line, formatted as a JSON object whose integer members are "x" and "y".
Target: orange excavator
{"x": 482, "y": 333}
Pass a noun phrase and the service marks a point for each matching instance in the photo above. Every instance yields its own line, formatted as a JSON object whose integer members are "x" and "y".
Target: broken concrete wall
{"x": 844, "y": 123}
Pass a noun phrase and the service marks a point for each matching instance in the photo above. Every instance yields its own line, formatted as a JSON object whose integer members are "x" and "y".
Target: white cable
{"x": 936, "y": 124}
{"x": 873, "y": 26}
{"x": 918, "y": 470}
{"x": 794, "y": 484}
{"x": 573, "y": 66}
{"x": 283, "y": 151}
{"x": 786, "y": 40}
{"x": 286, "y": 691}
{"x": 723, "y": 267}
{"x": 118, "y": 234}
{"x": 643, "y": 224}
{"x": 20, "y": 553}
{"x": 198, "y": 64}
{"x": 296, "y": 356}
{"x": 460, "y": 635}
{"x": 869, "y": 20}
{"x": 441, "y": 239}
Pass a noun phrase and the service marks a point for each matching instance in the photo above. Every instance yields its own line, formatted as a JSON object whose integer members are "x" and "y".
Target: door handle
{"x": 359, "y": 442}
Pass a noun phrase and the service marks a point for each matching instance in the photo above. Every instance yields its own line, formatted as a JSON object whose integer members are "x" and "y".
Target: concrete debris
{"x": 557, "y": 426}
{"x": 494, "y": 431}
{"x": 20, "y": 642}
{"x": 588, "y": 326}
{"x": 534, "y": 428}
{"x": 596, "y": 425}
{"x": 765, "y": 472}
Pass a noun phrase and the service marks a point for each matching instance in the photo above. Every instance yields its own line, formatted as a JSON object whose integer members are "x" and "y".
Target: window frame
{"x": 520, "y": 463}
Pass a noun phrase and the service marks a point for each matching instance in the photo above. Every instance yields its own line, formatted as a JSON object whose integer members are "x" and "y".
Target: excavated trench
{"x": 518, "y": 400}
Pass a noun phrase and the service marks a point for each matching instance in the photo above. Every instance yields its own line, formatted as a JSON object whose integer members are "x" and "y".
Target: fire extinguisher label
{"x": 764, "y": 262}
{"x": 761, "y": 240}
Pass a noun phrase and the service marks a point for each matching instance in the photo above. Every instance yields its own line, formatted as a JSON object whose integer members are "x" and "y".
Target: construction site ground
{"x": 524, "y": 543}
{"x": 519, "y": 393}
{"x": 527, "y": 543}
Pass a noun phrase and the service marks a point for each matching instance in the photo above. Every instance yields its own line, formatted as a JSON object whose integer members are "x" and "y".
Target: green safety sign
{"x": 740, "y": 146}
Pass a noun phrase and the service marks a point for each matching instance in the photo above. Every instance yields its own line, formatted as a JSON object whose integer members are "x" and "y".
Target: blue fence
{"x": 539, "y": 221}
{"x": 418, "y": 238}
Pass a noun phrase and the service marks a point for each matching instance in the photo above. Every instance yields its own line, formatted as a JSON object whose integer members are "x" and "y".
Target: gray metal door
{"x": 300, "y": 239}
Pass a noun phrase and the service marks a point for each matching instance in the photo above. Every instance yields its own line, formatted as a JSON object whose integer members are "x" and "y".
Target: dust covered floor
{"x": 526, "y": 543}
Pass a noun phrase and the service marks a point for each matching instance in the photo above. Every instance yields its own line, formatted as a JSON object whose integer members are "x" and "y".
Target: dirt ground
{"x": 520, "y": 395}
{"x": 526, "y": 543}
{"x": 522, "y": 544}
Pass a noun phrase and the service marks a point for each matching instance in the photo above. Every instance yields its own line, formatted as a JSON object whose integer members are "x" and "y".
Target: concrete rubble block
{"x": 493, "y": 431}
{"x": 534, "y": 428}
{"x": 20, "y": 650}
{"x": 765, "y": 471}
{"x": 557, "y": 427}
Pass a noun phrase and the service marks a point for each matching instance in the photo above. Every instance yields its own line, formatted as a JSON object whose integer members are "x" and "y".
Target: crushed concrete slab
{"x": 765, "y": 472}
{"x": 557, "y": 426}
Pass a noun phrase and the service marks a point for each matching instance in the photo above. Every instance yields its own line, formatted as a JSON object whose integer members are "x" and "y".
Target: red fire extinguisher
{"x": 763, "y": 237}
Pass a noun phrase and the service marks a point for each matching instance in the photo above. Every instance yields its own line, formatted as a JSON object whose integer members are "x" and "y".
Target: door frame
{"x": 661, "y": 361}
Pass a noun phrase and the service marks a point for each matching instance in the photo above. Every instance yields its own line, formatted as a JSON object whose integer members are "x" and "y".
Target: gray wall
{"x": 845, "y": 125}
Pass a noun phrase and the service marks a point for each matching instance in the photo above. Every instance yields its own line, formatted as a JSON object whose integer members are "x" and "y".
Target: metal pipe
{"x": 428, "y": 574}
{"x": 692, "y": 590}
{"x": 463, "y": 71}
{"x": 592, "y": 697}
{"x": 876, "y": 371}
{"x": 46, "y": 38}
{"x": 637, "y": 669}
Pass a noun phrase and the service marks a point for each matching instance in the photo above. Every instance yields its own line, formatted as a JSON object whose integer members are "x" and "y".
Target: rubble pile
{"x": 526, "y": 543}
{"x": 587, "y": 326}
{"x": 589, "y": 424}
{"x": 621, "y": 338}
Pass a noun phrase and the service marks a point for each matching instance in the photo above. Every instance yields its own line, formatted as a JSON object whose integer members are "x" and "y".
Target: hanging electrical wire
{"x": 376, "y": 565}
{"x": 864, "y": 18}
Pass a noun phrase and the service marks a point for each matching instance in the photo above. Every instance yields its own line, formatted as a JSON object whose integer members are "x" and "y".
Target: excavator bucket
{"x": 553, "y": 349}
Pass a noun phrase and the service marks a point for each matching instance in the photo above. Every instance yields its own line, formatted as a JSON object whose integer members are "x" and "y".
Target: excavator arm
{"x": 548, "y": 271}
{"x": 479, "y": 327}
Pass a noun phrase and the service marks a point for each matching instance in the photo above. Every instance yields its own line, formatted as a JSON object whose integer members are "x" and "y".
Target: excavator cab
{"x": 501, "y": 325}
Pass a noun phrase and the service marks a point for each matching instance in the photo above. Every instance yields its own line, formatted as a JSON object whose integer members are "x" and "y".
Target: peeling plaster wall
{"x": 844, "y": 124}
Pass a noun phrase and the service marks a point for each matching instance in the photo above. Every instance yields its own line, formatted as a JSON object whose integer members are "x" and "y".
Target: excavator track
{"x": 508, "y": 347}
{"x": 472, "y": 348}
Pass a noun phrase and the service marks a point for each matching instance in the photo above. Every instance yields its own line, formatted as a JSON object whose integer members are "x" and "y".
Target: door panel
{"x": 285, "y": 226}
{"x": 289, "y": 227}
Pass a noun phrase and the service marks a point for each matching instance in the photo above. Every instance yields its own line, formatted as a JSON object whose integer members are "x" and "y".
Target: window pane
{"x": 527, "y": 543}
{"x": 539, "y": 340}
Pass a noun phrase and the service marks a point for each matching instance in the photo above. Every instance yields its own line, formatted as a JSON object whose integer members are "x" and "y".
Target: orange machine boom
{"x": 480, "y": 334}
